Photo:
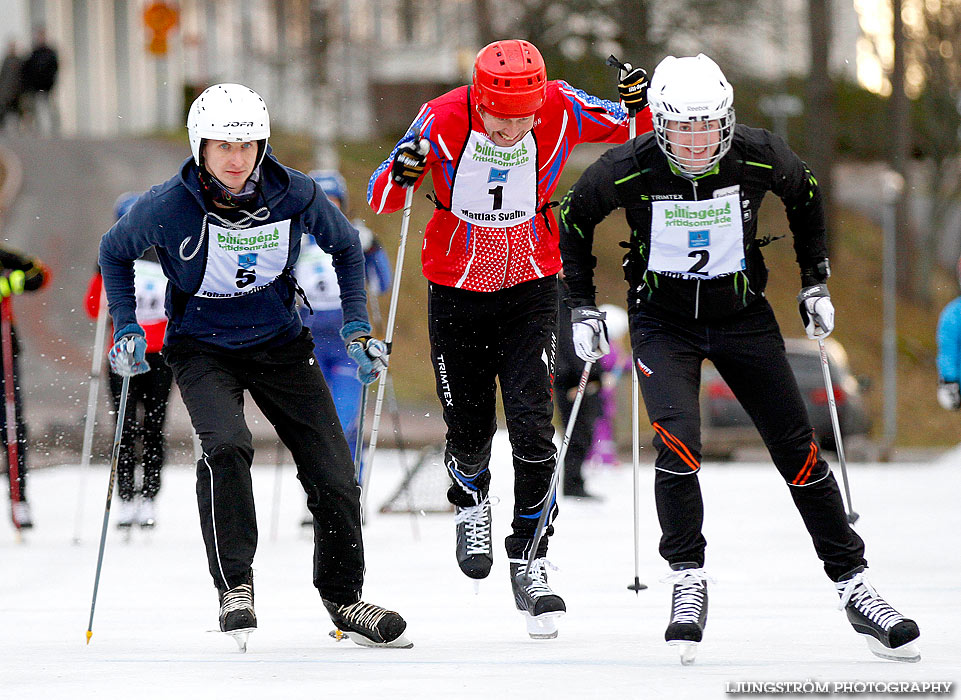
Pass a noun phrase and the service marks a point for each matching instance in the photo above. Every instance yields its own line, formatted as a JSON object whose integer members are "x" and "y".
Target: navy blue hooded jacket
{"x": 173, "y": 218}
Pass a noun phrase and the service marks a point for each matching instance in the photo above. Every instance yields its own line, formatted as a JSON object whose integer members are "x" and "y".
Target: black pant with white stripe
{"x": 748, "y": 351}
{"x": 477, "y": 340}
{"x": 287, "y": 385}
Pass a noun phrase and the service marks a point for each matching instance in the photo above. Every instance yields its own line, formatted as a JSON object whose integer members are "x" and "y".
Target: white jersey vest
{"x": 316, "y": 275}
{"x": 150, "y": 285}
{"x": 241, "y": 261}
{"x": 493, "y": 186}
{"x": 697, "y": 239}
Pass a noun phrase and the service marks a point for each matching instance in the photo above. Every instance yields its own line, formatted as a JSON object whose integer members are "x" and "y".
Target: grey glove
{"x": 817, "y": 311}
{"x": 590, "y": 333}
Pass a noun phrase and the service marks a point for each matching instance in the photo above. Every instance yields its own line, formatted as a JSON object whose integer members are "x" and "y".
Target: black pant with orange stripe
{"x": 748, "y": 351}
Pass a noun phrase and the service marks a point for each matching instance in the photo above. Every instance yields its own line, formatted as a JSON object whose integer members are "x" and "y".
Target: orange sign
{"x": 159, "y": 18}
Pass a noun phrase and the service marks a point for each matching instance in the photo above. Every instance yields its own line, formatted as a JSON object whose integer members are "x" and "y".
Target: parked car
{"x": 725, "y": 425}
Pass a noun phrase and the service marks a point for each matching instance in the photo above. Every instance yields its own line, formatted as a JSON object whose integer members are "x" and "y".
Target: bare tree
{"x": 485, "y": 26}
{"x": 821, "y": 118}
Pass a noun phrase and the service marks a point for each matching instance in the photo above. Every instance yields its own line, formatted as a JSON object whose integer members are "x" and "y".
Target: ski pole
{"x": 359, "y": 440}
{"x": 10, "y": 406}
{"x": 114, "y": 458}
{"x": 836, "y": 424}
{"x": 558, "y": 468}
{"x": 388, "y": 337}
{"x": 624, "y": 69}
{"x": 96, "y": 371}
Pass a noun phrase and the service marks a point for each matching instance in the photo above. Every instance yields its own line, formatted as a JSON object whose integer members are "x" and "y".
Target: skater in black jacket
{"x": 691, "y": 190}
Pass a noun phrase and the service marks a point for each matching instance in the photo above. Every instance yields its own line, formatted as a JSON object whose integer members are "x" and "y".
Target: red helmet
{"x": 510, "y": 78}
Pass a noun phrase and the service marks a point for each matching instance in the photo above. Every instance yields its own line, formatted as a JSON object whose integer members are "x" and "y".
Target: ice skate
{"x": 368, "y": 625}
{"x": 237, "y": 617}
{"x": 474, "y": 554}
{"x": 21, "y": 515}
{"x": 126, "y": 513}
{"x": 688, "y": 609}
{"x": 888, "y": 633}
{"x": 147, "y": 515}
{"x": 534, "y": 598}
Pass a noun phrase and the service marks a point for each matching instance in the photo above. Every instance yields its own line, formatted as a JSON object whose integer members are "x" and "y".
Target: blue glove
{"x": 378, "y": 269}
{"x": 370, "y": 355}
{"x": 128, "y": 351}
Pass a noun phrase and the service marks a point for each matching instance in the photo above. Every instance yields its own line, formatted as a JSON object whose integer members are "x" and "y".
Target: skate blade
{"x": 402, "y": 642}
{"x": 687, "y": 651}
{"x": 543, "y": 626}
{"x": 906, "y": 653}
{"x": 240, "y": 636}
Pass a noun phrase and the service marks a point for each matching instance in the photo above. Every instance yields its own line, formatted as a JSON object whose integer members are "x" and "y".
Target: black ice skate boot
{"x": 888, "y": 633}
{"x": 534, "y": 598}
{"x": 368, "y": 625}
{"x": 237, "y": 617}
{"x": 472, "y": 516}
{"x": 474, "y": 553}
{"x": 688, "y": 609}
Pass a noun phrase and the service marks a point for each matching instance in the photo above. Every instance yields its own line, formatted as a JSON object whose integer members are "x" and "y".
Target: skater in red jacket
{"x": 495, "y": 150}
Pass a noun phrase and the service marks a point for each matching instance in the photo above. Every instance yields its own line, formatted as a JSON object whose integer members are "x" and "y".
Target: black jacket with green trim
{"x": 637, "y": 173}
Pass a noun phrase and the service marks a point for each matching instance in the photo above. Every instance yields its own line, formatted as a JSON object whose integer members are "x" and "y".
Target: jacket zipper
{"x": 697, "y": 291}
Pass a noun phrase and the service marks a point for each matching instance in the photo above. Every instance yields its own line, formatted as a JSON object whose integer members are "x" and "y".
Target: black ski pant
{"x": 748, "y": 351}
{"x": 143, "y": 423}
{"x": 478, "y": 339}
{"x": 21, "y": 426}
{"x": 287, "y": 385}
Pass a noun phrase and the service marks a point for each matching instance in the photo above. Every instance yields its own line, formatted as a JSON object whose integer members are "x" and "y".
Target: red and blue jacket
{"x": 460, "y": 254}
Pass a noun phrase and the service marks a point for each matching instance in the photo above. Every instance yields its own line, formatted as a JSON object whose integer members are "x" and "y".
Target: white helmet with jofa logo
{"x": 228, "y": 112}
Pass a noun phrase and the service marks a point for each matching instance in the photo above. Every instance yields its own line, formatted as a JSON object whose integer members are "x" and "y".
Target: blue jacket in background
{"x": 172, "y": 217}
{"x": 949, "y": 342}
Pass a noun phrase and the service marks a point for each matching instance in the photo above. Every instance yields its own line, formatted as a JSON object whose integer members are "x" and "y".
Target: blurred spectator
{"x": 949, "y": 353}
{"x": 567, "y": 377}
{"x": 18, "y": 274}
{"x": 613, "y": 367}
{"x": 146, "y": 411}
{"x": 39, "y": 78}
{"x": 11, "y": 84}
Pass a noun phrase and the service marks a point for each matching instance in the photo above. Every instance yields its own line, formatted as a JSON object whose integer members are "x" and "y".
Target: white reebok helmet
{"x": 691, "y": 89}
{"x": 616, "y": 321}
{"x": 228, "y": 112}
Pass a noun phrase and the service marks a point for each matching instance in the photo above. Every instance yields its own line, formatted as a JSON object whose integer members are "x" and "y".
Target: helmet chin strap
{"x": 219, "y": 193}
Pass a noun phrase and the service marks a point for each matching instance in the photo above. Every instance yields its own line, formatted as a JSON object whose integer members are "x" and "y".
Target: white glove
{"x": 590, "y": 333}
{"x": 949, "y": 395}
{"x": 817, "y": 311}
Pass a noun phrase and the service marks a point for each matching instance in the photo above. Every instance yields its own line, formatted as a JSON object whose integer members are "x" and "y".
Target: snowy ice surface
{"x": 773, "y": 613}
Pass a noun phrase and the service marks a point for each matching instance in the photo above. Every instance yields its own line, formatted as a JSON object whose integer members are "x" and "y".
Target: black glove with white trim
{"x": 632, "y": 88}
{"x": 409, "y": 163}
